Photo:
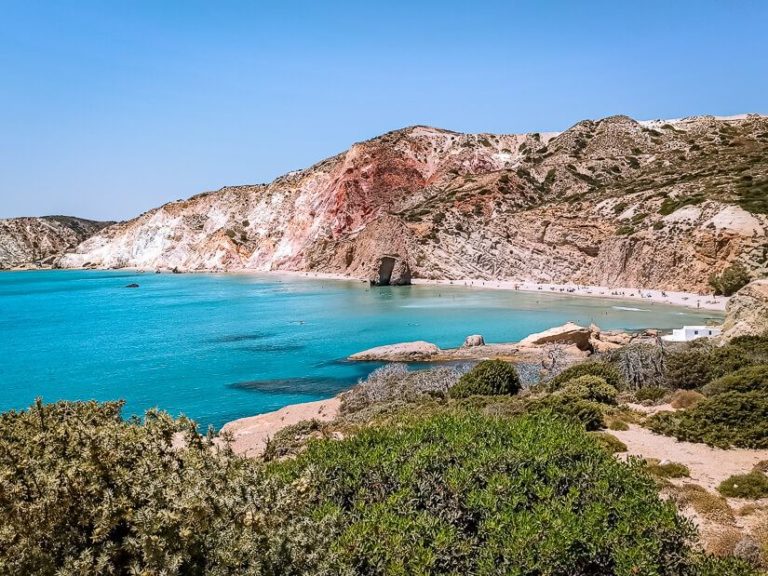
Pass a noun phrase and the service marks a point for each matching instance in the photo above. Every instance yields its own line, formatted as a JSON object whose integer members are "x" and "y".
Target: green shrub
{"x": 650, "y": 394}
{"x": 600, "y": 369}
{"x": 731, "y": 280}
{"x": 609, "y": 442}
{"x": 592, "y": 388}
{"x": 84, "y": 492}
{"x": 588, "y": 414}
{"x": 488, "y": 378}
{"x": 698, "y": 365}
{"x": 744, "y": 380}
{"x": 668, "y": 469}
{"x": 455, "y": 492}
{"x": 618, "y": 425}
{"x": 728, "y": 419}
{"x": 532, "y": 495}
{"x": 755, "y": 346}
{"x": 753, "y": 486}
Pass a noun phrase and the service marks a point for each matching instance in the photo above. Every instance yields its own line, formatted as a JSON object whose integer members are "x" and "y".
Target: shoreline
{"x": 689, "y": 300}
{"x": 672, "y": 298}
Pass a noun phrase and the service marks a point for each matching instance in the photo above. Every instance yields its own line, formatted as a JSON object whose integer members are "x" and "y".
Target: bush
{"x": 698, "y": 365}
{"x": 510, "y": 496}
{"x": 686, "y": 399}
{"x": 640, "y": 365}
{"x": 650, "y": 394}
{"x": 618, "y": 425}
{"x": 84, "y": 492}
{"x": 591, "y": 388}
{"x": 394, "y": 383}
{"x": 609, "y": 442}
{"x": 588, "y": 414}
{"x": 755, "y": 346}
{"x": 668, "y": 469}
{"x": 728, "y": 419}
{"x": 732, "y": 279}
{"x": 488, "y": 378}
{"x": 600, "y": 369}
{"x": 753, "y": 486}
{"x": 747, "y": 379}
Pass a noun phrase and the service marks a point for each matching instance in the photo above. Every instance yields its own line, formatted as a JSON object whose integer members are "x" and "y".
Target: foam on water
{"x": 219, "y": 347}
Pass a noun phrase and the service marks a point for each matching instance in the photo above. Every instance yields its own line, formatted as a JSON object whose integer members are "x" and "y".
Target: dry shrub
{"x": 761, "y": 466}
{"x": 708, "y": 505}
{"x": 721, "y": 541}
{"x": 749, "y": 509}
{"x": 617, "y": 424}
{"x": 686, "y": 398}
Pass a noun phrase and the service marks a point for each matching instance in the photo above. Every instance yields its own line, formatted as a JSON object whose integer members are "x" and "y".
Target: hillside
{"x": 614, "y": 202}
{"x": 39, "y": 241}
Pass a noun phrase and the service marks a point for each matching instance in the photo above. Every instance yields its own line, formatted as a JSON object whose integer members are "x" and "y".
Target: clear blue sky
{"x": 111, "y": 107}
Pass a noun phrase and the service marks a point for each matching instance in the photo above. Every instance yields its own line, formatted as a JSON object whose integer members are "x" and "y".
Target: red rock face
{"x": 612, "y": 202}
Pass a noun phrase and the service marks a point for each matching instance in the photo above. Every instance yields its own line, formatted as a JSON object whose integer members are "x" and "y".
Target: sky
{"x": 110, "y": 108}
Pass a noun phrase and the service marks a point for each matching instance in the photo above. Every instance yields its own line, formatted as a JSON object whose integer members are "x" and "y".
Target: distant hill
{"x": 38, "y": 242}
{"x": 614, "y": 202}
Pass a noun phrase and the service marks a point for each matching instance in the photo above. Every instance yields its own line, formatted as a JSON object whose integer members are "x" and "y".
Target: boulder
{"x": 473, "y": 340}
{"x": 568, "y": 334}
{"x": 746, "y": 313}
{"x": 402, "y": 352}
{"x": 391, "y": 271}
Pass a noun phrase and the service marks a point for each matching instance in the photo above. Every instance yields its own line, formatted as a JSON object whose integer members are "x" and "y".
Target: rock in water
{"x": 134, "y": 285}
{"x": 474, "y": 340}
{"x": 403, "y": 352}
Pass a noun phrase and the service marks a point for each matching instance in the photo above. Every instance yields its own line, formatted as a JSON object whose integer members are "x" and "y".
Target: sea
{"x": 216, "y": 347}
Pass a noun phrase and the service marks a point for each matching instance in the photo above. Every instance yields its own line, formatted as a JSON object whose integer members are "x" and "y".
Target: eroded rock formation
{"x": 613, "y": 202}
{"x": 37, "y": 242}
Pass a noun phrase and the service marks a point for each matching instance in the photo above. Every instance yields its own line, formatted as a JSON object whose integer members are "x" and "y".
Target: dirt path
{"x": 708, "y": 466}
{"x": 251, "y": 434}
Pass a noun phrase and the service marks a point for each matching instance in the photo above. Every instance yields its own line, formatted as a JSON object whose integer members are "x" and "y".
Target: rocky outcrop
{"x": 473, "y": 340}
{"x": 568, "y": 334}
{"x": 612, "y": 202}
{"x": 38, "y": 242}
{"x": 402, "y": 352}
{"x": 747, "y": 311}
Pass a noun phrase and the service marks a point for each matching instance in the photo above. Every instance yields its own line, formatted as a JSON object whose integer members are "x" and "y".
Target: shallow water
{"x": 218, "y": 347}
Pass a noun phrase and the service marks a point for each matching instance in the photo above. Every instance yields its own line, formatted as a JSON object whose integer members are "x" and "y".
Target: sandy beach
{"x": 683, "y": 299}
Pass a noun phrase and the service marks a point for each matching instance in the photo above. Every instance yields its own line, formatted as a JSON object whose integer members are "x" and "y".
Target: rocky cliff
{"x": 36, "y": 242}
{"x": 613, "y": 202}
{"x": 747, "y": 312}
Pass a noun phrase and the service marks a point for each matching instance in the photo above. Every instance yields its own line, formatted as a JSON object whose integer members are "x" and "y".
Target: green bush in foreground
{"x": 488, "y": 378}
{"x": 84, "y": 492}
{"x": 530, "y": 495}
{"x": 745, "y": 380}
{"x": 753, "y": 485}
{"x": 726, "y": 420}
{"x": 600, "y": 369}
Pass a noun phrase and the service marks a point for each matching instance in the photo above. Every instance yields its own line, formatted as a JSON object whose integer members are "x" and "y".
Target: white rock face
{"x": 737, "y": 220}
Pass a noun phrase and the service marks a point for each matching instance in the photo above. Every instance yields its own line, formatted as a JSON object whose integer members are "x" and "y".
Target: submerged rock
{"x": 133, "y": 285}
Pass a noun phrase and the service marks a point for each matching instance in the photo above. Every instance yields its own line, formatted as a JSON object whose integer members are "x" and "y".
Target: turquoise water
{"x": 219, "y": 347}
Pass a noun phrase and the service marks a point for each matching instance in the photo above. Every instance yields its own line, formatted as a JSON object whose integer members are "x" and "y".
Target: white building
{"x": 688, "y": 333}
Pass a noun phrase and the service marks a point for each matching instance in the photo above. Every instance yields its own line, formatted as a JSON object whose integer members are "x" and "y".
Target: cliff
{"x": 613, "y": 202}
{"x": 38, "y": 242}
